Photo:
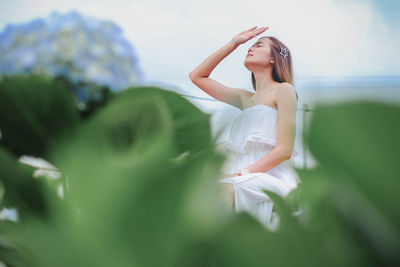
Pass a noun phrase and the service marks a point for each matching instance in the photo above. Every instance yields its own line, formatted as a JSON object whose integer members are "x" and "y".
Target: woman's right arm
{"x": 200, "y": 75}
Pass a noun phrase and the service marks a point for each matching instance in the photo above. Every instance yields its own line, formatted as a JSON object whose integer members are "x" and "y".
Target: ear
{"x": 272, "y": 61}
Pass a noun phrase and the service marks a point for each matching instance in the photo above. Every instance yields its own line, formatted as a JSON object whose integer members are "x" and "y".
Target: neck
{"x": 264, "y": 79}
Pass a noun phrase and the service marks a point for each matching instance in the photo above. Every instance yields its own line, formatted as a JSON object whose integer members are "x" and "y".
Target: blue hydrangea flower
{"x": 84, "y": 50}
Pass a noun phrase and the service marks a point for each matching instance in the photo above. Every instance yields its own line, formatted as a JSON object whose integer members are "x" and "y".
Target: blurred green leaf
{"x": 141, "y": 190}
{"x": 34, "y": 112}
{"x": 21, "y": 189}
{"x": 356, "y": 144}
{"x": 361, "y": 140}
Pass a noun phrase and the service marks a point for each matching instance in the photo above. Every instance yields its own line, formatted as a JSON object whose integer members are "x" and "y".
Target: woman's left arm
{"x": 286, "y": 102}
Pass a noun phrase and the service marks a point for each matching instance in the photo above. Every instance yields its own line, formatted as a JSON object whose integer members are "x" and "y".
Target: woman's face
{"x": 259, "y": 54}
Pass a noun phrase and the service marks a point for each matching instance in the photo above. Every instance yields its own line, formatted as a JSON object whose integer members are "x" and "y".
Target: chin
{"x": 248, "y": 66}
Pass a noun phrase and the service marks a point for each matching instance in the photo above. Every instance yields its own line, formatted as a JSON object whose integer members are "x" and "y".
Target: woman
{"x": 262, "y": 135}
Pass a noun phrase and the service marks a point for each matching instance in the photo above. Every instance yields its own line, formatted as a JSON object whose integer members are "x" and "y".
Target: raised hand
{"x": 244, "y": 36}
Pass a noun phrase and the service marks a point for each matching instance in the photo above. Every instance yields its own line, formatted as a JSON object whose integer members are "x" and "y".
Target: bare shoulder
{"x": 286, "y": 90}
{"x": 285, "y": 86}
{"x": 286, "y": 98}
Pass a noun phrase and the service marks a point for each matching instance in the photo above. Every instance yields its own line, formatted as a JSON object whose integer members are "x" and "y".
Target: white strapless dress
{"x": 253, "y": 135}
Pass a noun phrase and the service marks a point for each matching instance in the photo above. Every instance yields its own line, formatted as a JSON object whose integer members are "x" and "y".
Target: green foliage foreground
{"x": 140, "y": 178}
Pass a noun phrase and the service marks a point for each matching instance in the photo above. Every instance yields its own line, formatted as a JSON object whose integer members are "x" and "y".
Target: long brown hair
{"x": 282, "y": 70}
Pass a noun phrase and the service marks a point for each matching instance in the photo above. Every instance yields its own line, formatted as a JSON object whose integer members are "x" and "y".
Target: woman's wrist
{"x": 241, "y": 172}
{"x": 234, "y": 44}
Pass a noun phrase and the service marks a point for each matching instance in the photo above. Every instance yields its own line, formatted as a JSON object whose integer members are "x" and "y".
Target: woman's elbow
{"x": 191, "y": 76}
{"x": 286, "y": 152}
{"x": 289, "y": 154}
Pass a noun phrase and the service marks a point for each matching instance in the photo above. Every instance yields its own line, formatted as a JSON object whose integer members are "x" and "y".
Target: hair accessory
{"x": 284, "y": 52}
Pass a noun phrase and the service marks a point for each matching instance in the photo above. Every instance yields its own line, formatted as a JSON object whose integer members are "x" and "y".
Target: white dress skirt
{"x": 252, "y": 136}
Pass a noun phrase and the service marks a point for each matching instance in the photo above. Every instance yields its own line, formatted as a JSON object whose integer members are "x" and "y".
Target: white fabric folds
{"x": 256, "y": 124}
{"x": 253, "y": 135}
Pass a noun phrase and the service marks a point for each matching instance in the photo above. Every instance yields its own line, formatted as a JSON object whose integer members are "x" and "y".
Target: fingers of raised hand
{"x": 260, "y": 30}
{"x": 252, "y": 28}
{"x": 263, "y": 29}
{"x": 254, "y": 32}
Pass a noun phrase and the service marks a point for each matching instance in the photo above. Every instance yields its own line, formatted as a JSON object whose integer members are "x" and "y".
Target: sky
{"x": 327, "y": 38}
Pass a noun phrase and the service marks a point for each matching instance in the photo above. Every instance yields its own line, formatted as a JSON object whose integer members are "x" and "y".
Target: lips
{"x": 249, "y": 54}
